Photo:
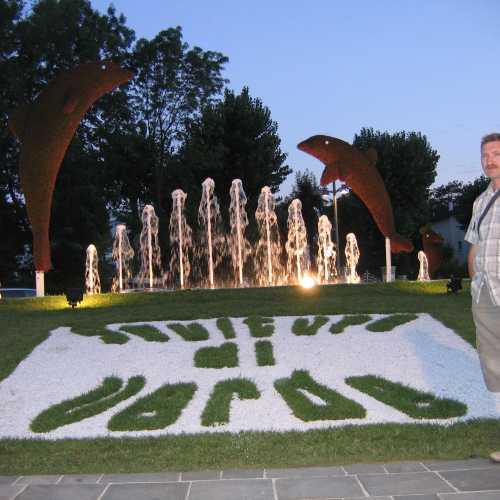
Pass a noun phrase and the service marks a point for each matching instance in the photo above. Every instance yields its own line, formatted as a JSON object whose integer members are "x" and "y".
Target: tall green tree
{"x": 14, "y": 229}
{"x": 172, "y": 84}
{"x": 456, "y": 198}
{"x": 233, "y": 139}
{"x": 465, "y": 200}
{"x": 442, "y": 199}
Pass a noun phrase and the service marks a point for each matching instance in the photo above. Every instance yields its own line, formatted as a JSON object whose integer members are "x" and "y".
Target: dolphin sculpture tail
{"x": 400, "y": 243}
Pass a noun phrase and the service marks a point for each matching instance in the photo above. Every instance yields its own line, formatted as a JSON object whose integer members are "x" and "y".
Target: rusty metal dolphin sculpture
{"x": 357, "y": 169}
{"x": 45, "y": 129}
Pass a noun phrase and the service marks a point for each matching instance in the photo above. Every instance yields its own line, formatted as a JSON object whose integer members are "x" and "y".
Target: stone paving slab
{"x": 164, "y": 477}
{"x": 370, "y": 498}
{"x": 365, "y": 469}
{"x": 80, "y": 479}
{"x": 8, "y": 492}
{"x": 474, "y": 480}
{"x": 472, "y": 463}
{"x": 405, "y": 467}
{"x": 243, "y": 474}
{"x": 492, "y": 495}
{"x": 407, "y": 483}
{"x": 247, "y": 489}
{"x": 61, "y": 492}
{"x": 39, "y": 479}
{"x": 320, "y": 487}
{"x": 201, "y": 475}
{"x": 170, "y": 491}
{"x": 416, "y": 497}
{"x": 305, "y": 472}
{"x": 7, "y": 479}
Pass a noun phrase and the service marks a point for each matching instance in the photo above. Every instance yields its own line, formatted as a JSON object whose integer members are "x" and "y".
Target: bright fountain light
{"x": 307, "y": 282}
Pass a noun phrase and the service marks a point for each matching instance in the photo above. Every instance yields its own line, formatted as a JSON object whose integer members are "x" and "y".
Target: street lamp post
{"x": 338, "y": 260}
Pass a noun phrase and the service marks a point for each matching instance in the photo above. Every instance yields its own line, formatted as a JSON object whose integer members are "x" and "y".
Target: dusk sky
{"x": 333, "y": 67}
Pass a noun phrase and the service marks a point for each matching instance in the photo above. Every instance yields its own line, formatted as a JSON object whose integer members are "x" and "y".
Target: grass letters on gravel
{"x": 350, "y": 320}
{"x": 24, "y": 324}
{"x": 301, "y": 326}
{"x": 414, "y": 403}
{"x": 297, "y": 389}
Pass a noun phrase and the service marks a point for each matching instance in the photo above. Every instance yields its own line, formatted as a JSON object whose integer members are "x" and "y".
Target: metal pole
{"x": 338, "y": 260}
{"x": 388, "y": 265}
{"x": 296, "y": 223}
{"x": 40, "y": 283}
{"x": 209, "y": 234}
{"x": 238, "y": 233}
{"x": 181, "y": 257}
{"x": 91, "y": 273}
{"x": 268, "y": 234}
{"x": 451, "y": 240}
{"x": 120, "y": 265}
{"x": 150, "y": 252}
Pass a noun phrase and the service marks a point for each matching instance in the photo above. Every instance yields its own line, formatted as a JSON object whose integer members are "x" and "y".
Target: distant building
{"x": 453, "y": 236}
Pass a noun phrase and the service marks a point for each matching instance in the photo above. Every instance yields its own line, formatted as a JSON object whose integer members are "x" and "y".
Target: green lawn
{"x": 26, "y": 323}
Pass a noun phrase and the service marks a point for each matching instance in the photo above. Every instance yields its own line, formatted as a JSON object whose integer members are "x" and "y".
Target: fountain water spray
{"x": 352, "y": 258}
{"x": 213, "y": 242}
{"x": 326, "y": 251}
{"x": 122, "y": 255}
{"x": 268, "y": 251}
{"x": 239, "y": 246}
{"x": 92, "y": 281}
{"x": 150, "y": 249}
{"x": 423, "y": 272}
{"x": 180, "y": 238}
{"x": 296, "y": 245}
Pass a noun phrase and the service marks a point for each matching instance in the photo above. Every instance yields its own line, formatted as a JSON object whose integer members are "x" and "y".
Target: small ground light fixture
{"x": 454, "y": 284}
{"x": 74, "y": 296}
{"x": 307, "y": 282}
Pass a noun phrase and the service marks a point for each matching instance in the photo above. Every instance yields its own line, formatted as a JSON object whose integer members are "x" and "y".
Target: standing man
{"x": 484, "y": 268}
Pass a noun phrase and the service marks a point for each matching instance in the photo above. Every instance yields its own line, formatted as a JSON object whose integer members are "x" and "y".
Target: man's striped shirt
{"x": 487, "y": 240}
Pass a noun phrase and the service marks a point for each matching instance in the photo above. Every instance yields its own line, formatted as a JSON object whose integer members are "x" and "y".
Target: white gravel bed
{"x": 422, "y": 353}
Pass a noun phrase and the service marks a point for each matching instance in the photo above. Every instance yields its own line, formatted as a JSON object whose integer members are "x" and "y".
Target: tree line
{"x": 176, "y": 123}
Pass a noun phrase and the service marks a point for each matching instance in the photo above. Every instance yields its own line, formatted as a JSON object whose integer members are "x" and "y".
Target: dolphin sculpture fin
{"x": 333, "y": 171}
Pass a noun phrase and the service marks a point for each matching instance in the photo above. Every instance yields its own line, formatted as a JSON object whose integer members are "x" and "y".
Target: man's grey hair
{"x": 495, "y": 136}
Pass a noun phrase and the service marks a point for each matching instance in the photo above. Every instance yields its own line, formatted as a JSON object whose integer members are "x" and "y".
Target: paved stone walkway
{"x": 475, "y": 479}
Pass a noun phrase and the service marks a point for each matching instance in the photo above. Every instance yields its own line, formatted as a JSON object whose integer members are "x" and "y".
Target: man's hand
{"x": 470, "y": 260}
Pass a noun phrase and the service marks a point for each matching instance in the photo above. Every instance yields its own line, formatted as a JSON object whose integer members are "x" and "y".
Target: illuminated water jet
{"x": 268, "y": 267}
{"x": 180, "y": 238}
{"x": 423, "y": 272}
{"x": 352, "y": 258}
{"x": 149, "y": 247}
{"x": 122, "y": 255}
{"x": 326, "y": 251}
{"x": 92, "y": 281}
{"x": 213, "y": 242}
{"x": 296, "y": 245}
{"x": 239, "y": 246}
